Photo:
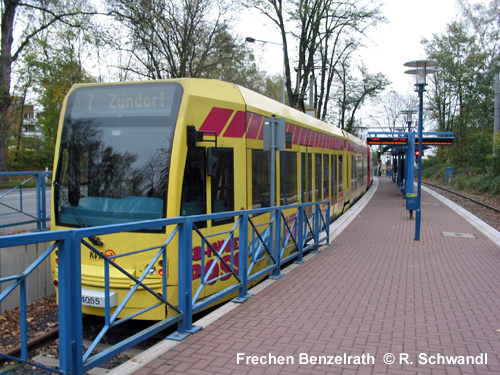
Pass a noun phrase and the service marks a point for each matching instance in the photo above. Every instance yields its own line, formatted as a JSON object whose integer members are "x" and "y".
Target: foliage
{"x": 56, "y": 65}
{"x": 465, "y": 177}
{"x": 461, "y": 97}
{"x": 31, "y": 18}
{"x": 32, "y": 156}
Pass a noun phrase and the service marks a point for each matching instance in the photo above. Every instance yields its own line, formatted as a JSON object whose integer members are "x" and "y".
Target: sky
{"x": 390, "y": 45}
{"x": 399, "y": 40}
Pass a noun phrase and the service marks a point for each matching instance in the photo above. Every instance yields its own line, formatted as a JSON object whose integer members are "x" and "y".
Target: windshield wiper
{"x": 96, "y": 241}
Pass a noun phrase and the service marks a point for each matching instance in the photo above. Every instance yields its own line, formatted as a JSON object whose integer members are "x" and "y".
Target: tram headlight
{"x": 156, "y": 270}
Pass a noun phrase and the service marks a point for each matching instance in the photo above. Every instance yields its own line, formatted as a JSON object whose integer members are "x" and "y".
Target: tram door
{"x": 306, "y": 176}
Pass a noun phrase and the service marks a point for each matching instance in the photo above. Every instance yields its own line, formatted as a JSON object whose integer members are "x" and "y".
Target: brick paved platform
{"x": 374, "y": 294}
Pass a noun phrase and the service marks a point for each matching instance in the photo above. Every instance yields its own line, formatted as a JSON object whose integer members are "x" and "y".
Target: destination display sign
{"x": 427, "y": 141}
{"x": 437, "y": 141}
{"x": 386, "y": 141}
{"x": 154, "y": 99}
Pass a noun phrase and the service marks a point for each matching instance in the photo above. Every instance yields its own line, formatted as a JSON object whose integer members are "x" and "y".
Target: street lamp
{"x": 408, "y": 115}
{"x": 253, "y": 40}
{"x": 421, "y": 68}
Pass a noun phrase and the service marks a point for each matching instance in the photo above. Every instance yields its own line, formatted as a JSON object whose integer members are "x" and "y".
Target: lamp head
{"x": 421, "y": 69}
{"x": 408, "y": 113}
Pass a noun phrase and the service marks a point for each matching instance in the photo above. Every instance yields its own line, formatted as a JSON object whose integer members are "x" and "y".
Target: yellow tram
{"x": 131, "y": 151}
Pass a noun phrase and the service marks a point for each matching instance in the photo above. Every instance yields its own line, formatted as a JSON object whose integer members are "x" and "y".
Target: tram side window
{"x": 334, "y": 179}
{"x": 360, "y": 170}
{"x": 193, "y": 201}
{"x": 341, "y": 173}
{"x": 353, "y": 173}
{"x": 223, "y": 184}
{"x": 365, "y": 170}
{"x": 307, "y": 178}
{"x": 288, "y": 177}
{"x": 260, "y": 179}
{"x": 326, "y": 177}
{"x": 319, "y": 178}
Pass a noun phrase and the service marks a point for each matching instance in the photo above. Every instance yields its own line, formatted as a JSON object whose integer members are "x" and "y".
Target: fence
{"x": 27, "y": 217}
{"x": 288, "y": 227}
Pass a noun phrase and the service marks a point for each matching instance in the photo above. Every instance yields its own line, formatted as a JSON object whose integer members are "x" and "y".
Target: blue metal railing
{"x": 40, "y": 215}
{"x": 289, "y": 228}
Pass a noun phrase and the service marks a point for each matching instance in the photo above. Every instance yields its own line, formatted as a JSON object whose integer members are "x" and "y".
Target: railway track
{"x": 463, "y": 196}
{"x": 485, "y": 211}
{"x": 41, "y": 350}
{"x": 34, "y": 343}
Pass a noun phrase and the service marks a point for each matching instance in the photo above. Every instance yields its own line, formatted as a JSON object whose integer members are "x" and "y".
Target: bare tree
{"x": 326, "y": 31}
{"x": 387, "y": 111}
{"x": 355, "y": 91}
{"x": 172, "y": 39}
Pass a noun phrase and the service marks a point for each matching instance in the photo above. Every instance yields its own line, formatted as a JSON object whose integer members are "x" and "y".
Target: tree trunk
{"x": 5, "y": 76}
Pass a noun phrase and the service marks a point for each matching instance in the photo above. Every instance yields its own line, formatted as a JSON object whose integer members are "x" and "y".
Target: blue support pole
{"x": 70, "y": 306}
{"x": 410, "y": 165}
{"x": 400, "y": 172}
{"x": 420, "y": 138}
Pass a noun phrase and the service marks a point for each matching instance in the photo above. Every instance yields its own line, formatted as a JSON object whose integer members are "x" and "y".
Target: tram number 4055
{"x": 96, "y": 298}
{"x": 91, "y": 301}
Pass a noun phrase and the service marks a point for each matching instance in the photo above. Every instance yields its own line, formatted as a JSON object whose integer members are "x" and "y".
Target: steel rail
{"x": 464, "y": 196}
{"x": 33, "y": 343}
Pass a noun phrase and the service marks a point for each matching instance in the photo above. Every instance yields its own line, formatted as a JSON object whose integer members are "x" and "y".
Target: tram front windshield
{"x": 115, "y": 154}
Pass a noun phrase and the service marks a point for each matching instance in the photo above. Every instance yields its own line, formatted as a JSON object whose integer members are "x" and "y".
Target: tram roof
{"x": 256, "y": 102}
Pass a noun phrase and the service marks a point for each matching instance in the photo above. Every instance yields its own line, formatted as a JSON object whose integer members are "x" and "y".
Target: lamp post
{"x": 253, "y": 40}
{"x": 421, "y": 68}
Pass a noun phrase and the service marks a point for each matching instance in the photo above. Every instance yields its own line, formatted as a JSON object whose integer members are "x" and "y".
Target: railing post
{"x": 70, "y": 305}
{"x": 317, "y": 213}
{"x": 327, "y": 220}
{"x": 185, "y": 282}
{"x": 24, "y": 318}
{"x": 43, "y": 208}
{"x": 300, "y": 240}
{"x": 277, "y": 245}
{"x": 38, "y": 201}
{"x": 243, "y": 294}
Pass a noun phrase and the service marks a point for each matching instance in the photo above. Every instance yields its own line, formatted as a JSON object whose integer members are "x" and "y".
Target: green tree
{"x": 460, "y": 99}
{"x": 56, "y": 63}
{"x": 31, "y": 17}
